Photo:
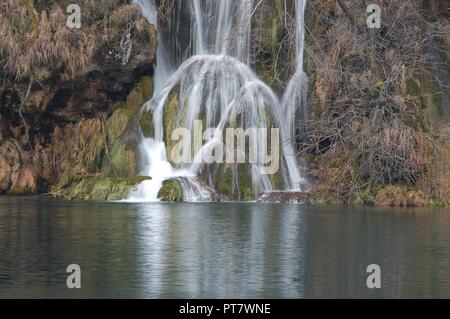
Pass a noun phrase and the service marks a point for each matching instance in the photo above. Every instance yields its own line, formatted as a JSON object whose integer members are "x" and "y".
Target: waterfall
{"x": 153, "y": 157}
{"x": 148, "y": 9}
{"x": 294, "y": 99}
{"x": 217, "y": 85}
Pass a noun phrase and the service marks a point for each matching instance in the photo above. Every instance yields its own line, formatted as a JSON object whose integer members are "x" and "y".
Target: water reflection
{"x": 220, "y": 250}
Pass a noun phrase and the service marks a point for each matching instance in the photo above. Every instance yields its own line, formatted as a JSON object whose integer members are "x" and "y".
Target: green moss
{"x": 171, "y": 191}
{"x": 431, "y": 110}
{"x": 413, "y": 87}
{"x": 82, "y": 190}
{"x": 99, "y": 189}
{"x": 146, "y": 84}
{"x": 275, "y": 33}
{"x": 434, "y": 103}
{"x": 117, "y": 123}
{"x": 117, "y": 162}
{"x": 279, "y": 6}
{"x": 170, "y": 120}
{"x": 121, "y": 162}
{"x": 112, "y": 189}
{"x": 365, "y": 198}
{"x": 135, "y": 101}
{"x": 224, "y": 182}
{"x": 245, "y": 182}
{"x": 430, "y": 103}
{"x": 146, "y": 123}
{"x": 138, "y": 87}
{"x": 272, "y": 62}
{"x": 277, "y": 180}
{"x": 326, "y": 197}
{"x": 124, "y": 117}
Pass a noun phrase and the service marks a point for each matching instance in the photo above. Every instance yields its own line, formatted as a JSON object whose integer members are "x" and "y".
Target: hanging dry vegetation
{"x": 36, "y": 36}
{"x": 374, "y": 96}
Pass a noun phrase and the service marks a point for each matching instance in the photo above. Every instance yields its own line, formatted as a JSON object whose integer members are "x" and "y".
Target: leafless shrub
{"x": 369, "y": 126}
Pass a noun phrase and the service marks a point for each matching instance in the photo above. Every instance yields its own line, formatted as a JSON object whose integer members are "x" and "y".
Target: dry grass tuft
{"x": 80, "y": 155}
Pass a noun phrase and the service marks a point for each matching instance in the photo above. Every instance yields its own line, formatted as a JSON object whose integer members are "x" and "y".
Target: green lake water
{"x": 220, "y": 250}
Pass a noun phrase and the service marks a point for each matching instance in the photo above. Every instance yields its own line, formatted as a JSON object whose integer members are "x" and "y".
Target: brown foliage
{"x": 34, "y": 39}
{"x": 369, "y": 126}
{"x": 80, "y": 155}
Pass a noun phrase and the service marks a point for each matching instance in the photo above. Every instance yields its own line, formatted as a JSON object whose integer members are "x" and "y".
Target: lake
{"x": 220, "y": 250}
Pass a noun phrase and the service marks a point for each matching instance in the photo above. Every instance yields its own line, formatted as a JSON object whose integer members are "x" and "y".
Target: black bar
{"x": 173, "y": 308}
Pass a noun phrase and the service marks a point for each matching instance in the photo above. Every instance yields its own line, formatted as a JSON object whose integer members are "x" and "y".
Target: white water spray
{"x": 153, "y": 155}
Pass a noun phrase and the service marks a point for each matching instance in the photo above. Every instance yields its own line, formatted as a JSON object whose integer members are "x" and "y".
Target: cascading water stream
{"x": 153, "y": 157}
{"x": 218, "y": 83}
{"x": 294, "y": 99}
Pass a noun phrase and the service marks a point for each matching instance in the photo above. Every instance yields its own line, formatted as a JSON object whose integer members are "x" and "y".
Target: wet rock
{"x": 99, "y": 189}
{"x": 171, "y": 191}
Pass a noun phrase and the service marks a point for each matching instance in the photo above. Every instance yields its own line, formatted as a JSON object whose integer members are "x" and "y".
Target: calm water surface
{"x": 220, "y": 250}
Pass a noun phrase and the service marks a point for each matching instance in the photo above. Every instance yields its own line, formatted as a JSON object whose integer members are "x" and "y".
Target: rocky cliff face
{"x": 380, "y": 101}
{"x": 69, "y": 97}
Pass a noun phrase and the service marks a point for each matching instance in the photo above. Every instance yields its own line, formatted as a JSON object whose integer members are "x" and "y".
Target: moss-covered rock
{"x": 223, "y": 181}
{"x": 146, "y": 84}
{"x": 117, "y": 123}
{"x": 120, "y": 160}
{"x": 99, "y": 189}
{"x": 146, "y": 123}
{"x": 237, "y": 187}
{"x": 170, "y": 121}
{"x": 247, "y": 193}
{"x": 171, "y": 191}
